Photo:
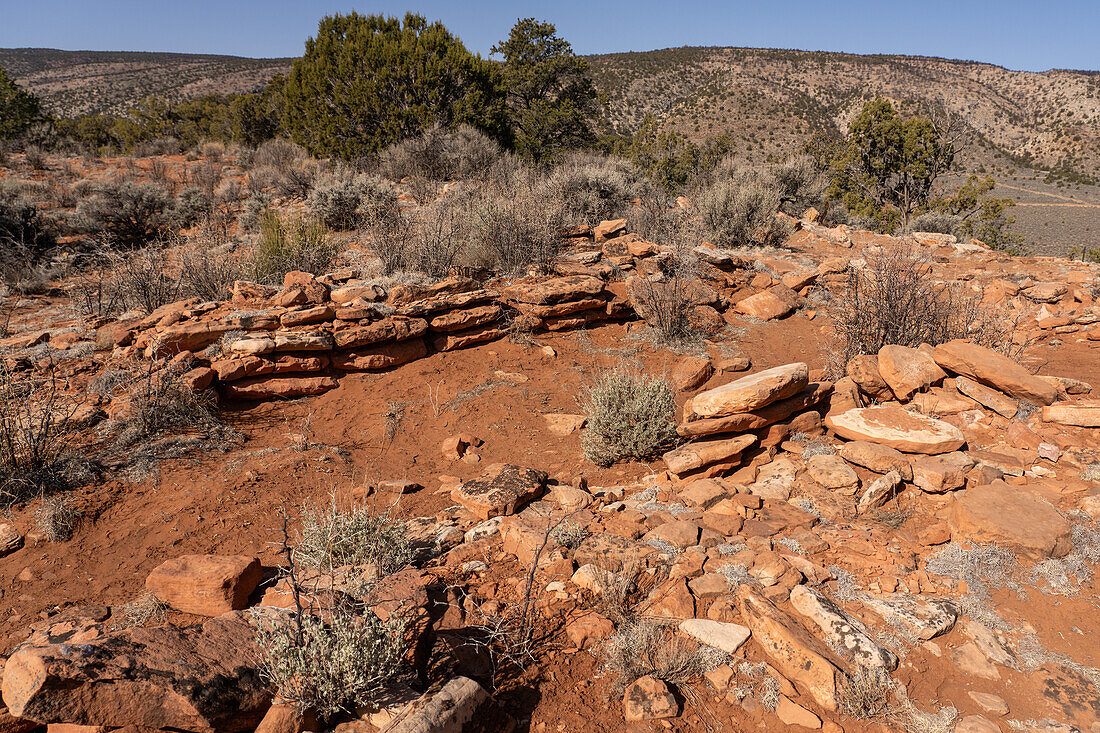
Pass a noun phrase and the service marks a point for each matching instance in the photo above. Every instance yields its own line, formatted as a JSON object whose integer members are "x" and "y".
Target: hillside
{"x": 78, "y": 82}
{"x": 771, "y": 100}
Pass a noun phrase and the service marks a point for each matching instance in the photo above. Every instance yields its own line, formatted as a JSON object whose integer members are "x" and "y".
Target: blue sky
{"x": 1033, "y": 35}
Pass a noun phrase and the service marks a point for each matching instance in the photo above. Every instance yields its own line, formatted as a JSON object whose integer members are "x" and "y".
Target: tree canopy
{"x": 19, "y": 109}
{"x": 551, "y": 99}
{"x": 888, "y": 165}
{"x": 366, "y": 82}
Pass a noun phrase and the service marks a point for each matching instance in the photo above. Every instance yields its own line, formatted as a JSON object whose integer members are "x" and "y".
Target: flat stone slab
{"x": 1082, "y": 415}
{"x": 897, "y": 428}
{"x": 1011, "y": 517}
{"x": 752, "y": 392}
{"x": 724, "y": 636}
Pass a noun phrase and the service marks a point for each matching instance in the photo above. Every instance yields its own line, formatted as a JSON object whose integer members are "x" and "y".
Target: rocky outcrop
{"x": 201, "y": 677}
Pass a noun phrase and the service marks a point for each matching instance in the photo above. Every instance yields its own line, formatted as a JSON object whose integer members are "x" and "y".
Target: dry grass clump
{"x": 144, "y": 609}
{"x": 630, "y": 415}
{"x": 639, "y": 648}
{"x": 332, "y": 537}
{"x": 979, "y": 567}
{"x": 36, "y": 430}
{"x": 1065, "y": 575}
{"x": 56, "y": 518}
{"x": 1091, "y": 472}
{"x": 297, "y": 244}
{"x": 895, "y": 300}
{"x": 865, "y": 694}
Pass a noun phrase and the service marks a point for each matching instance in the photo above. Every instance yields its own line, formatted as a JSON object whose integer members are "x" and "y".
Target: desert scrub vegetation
{"x": 594, "y": 188}
{"x": 335, "y": 663}
{"x": 630, "y": 415}
{"x": 337, "y": 655}
{"x": 439, "y": 154}
{"x": 332, "y": 537}
{"x": 664, "y": 298}
{"x": 37, "y": 427}
{"x": 344, "y": 202}
{"x": 639, "y": 648}
{"x": 298, "y": 243}
{"x": 894, "y": 299}
{"x": 738, "y": 209}
{"x": 161, "y": 405}
{"x": 129, "y": 213}
{"x": 25, "y": 236}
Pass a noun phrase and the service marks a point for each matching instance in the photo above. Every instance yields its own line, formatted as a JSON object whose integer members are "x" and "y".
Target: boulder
{"x": 880, "y": 491}
{"x": 459, "y": 319}
{"x": 10, "y": 539}
{"x": 557, "y": 290}
{"x": 832, "y": 472}
{"x": 267, "y": 388}
{"x": 843, "y": 634}
{"x": 794, "y": 715}
{"x": 765, "y": 305}
{"x": 501, "y": 490}
{"x": 797, "y": 655}
{"x": 994, "y": 370}
{"x": 381, "y": 356}
{"x": 750, "y": 393}
{"x": 924, "y": 618}
{"x": 201, "y": 677}
{"x": 863, "y": 370}
{"x": 648, "y": 698}
{"x": 1011, "y": 517}
{"x": 740, "y": 422}
{"x": 987, "y": 397}
{"x": 897, "y": 428}
{"x": 391, "y": 328}
{"x": 907, "y": 370}
{"x": 454, "y": 707}
{"x": 691, "y": 372}
{"x": 942, "y": 473}
{"x": 205, "y": 585}
{"x": 608, "y": 228}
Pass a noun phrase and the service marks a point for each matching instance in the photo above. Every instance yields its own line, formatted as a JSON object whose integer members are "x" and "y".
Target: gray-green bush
{"x": 739, "y": 211}
{"x": 630, "y": 415}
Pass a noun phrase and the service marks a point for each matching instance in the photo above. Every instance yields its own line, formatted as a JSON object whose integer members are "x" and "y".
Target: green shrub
{"x": 128, "y": 213}
{"x": 800, "y": 183}
{"x": 630, "y": 415}
{"x": 301, "y": 244}
{"x": 24, "y": 235}
{"x": 935, "y": 221}
{"x": 740, "y": 211}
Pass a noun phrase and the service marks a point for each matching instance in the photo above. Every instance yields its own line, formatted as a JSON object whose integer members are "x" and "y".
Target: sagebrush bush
{"x": 299, "y": 243}
{"x": 333, "y": 537}
{"x": 277, "y": 153}
{"x": 435, "y": 238}
{"x": 740, "y": 211}
{"x": 895, "y": 299}
{"x": 440, "y": 155}
{"x": 800, "y": 183}
{"x": 594, "y": 188}
{"x": 344, "y": 201}
{"x": 332, "y": 665}
{"x": 128, "y": 213}
{"x": 935, "y": 221}
{"x": 145, "y": 279}
{"x": 630, "y": 415}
